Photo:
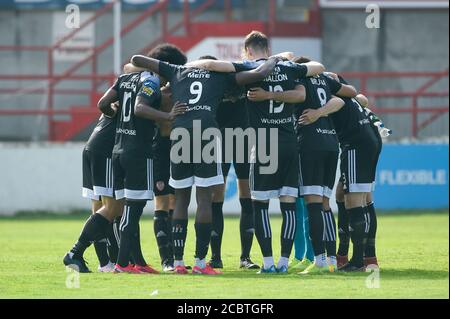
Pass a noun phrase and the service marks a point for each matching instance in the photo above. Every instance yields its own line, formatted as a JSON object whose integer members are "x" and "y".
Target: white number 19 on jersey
{"x": 279, "y": 108}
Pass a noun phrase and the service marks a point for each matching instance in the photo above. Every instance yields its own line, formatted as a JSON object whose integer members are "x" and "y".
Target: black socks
{"x": 137, "y": 258}
{"x": 112, "y": 244}
{"x": 316, "y": 228}
{"x": 343, "y": 231}
{"x": 163, "y": 234}
{"x": 179, "y": 233}
{"x": 288, "y": 228}
{"x": 263, "y": 231}
{"x": 94, "y": 230}
{"x": 246, "y": 227}
{"x": 102, "y": 252}
{"x": 203, "y": 237}
{"x": 358, "y": 230}
{"x": 330, "y": 233}
{"x": 129, "y": 234}
{"x": 217, "y": 230}
{"x": 372, "y": 218}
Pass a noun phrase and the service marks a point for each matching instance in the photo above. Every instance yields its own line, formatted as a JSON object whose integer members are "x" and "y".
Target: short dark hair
{"x": 301, "y": 59}
{"x": 257, "y": 40}
{"x": 207, "y": 57}
{"x": 168, "y": 53}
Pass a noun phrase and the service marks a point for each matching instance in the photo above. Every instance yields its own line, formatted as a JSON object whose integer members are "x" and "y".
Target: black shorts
{"x": 97, "y": 175}
{"x": 133, "y": 177}
{"x": 358, "y": 167}
{"x": 161, "y": 166}
{"x": 241, "y": 163}
{"x": 284, "y": 182}
{"x": 194, "y": 170}
{"x": 317, "y": 172}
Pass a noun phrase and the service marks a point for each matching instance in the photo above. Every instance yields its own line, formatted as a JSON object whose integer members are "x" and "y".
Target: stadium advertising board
{"x": 413, "y": 177}
{"x": 408, "y": 177}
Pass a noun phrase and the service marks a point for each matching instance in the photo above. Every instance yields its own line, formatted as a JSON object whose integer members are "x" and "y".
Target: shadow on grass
{"x": 391, "y": 274}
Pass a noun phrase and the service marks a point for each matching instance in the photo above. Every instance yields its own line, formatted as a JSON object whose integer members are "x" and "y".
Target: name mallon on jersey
{"x": 276, "y": 76}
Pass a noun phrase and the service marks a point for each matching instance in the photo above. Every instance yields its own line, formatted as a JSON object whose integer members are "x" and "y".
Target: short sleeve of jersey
{"x": 334, "y": 85}
{"x": 245, "y": 66}
{"x": 116, "y": 85}
{"x": 342, "y": 80}
{"x": 300, "y": 70}
{"x": 150, "y": 88}
{"x": 167, "y": 70}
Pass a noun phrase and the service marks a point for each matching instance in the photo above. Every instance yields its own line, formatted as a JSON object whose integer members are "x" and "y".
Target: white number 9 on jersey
{"x": 322, "y": 96}
{"x": 197, "y": 90}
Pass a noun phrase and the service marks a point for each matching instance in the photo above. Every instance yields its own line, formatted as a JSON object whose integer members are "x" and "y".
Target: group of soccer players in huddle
{"x": 316, "y": 115}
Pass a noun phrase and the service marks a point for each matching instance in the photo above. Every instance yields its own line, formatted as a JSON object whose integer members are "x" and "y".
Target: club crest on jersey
{"x": 147, "y": 90}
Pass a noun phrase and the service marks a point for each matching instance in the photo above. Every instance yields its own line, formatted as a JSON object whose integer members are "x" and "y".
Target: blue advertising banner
{"x": 413, "y": 177}
{"x": 408, "y": 177}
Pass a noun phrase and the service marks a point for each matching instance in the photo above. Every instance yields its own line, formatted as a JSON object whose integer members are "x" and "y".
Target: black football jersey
{"x": 232, "y": 111}
{"x": 320, "y": 135}
{"x": 351, "y": 123}
{"x": 201, "y": 90}
{"x": 274, "y": 114}
{"x": 103, "y": 136}
{"x": 134, "y": 135}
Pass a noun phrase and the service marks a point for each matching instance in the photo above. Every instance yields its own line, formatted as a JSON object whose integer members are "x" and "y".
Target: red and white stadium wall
{"x": 231, "y": 48}
{"x": 47, "y": 177}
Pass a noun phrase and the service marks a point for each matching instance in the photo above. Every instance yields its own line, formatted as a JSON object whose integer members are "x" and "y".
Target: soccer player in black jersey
{"x": 164, "y": 193}
{"x": 202, "y": 91}
{"x": 360, "y": 151}
{"x": 281, "y": 180}
{"x": 319, "y": 151}
{"x": 98, "y": 186}
{"x": 139, "y": 98}
{"x": 232, "y": 114}
{"x": 355, "y": 126}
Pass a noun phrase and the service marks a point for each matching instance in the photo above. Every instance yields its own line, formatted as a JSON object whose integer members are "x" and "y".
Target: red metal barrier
{"x": 274, "y": 28}
{"x": 414, "y": 109}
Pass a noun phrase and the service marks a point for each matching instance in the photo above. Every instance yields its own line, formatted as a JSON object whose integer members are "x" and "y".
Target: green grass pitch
{"x": 412, "y": 249}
